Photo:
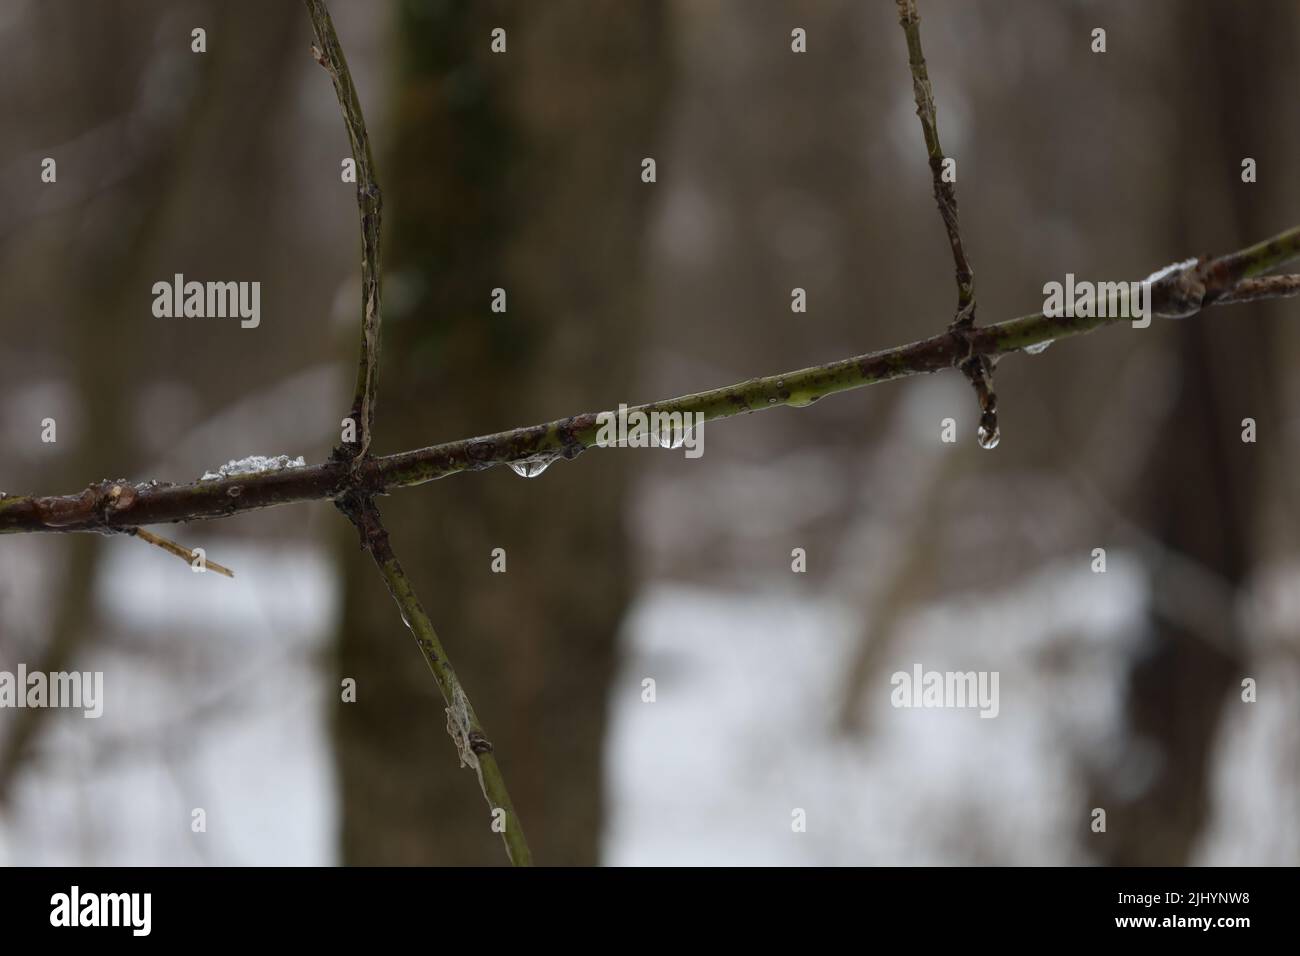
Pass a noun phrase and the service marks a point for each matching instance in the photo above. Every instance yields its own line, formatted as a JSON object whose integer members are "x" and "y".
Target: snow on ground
{"x": 214, "y": 699}
{"x": 742, "y": 731}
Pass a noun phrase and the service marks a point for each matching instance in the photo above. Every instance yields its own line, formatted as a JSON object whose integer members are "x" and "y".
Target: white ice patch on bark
{"x": 1170, "y": 269}
{"x": 253, "y": 465}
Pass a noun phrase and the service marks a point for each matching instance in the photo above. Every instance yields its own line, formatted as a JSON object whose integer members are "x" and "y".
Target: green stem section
{"x": 463, "y": 725}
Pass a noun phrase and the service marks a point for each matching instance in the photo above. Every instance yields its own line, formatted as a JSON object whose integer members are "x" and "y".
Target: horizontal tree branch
{"x": 116, "y": 506}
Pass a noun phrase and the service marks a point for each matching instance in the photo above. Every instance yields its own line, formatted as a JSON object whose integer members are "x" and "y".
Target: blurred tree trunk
{"x": 1201, "y": 483}
{"x": 116, "y": 257}
{"x": 518, "y": 171}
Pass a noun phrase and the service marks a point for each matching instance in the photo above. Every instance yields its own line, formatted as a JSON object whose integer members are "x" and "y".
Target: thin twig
{"x": 92, "y": 509}
{"x": 329, "y": 54}
{"x": 358, "y": 502}
{"x": 462, "y": 722}
{"x": 945, "y": 193}
{"x": 171, "y": 547}
{"x": 978, "y": 369}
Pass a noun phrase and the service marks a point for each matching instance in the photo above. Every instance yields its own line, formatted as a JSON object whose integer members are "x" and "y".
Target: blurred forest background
{"x": 776, "y": 170}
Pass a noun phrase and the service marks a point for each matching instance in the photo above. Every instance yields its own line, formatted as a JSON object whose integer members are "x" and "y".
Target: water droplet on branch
{"x": 671, "y": 435}
{"x": 532, "y": 467}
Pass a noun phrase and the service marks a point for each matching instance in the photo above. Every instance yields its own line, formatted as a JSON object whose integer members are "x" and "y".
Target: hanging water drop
{"x": 1038, "y": 348}
{"x": 532, "y": 467}
{"x": 989, "y": 439}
